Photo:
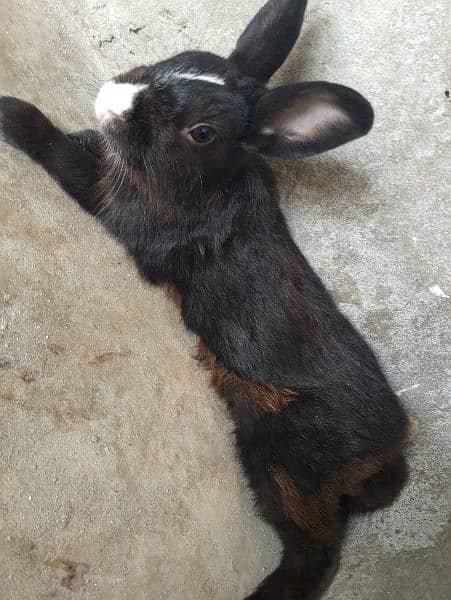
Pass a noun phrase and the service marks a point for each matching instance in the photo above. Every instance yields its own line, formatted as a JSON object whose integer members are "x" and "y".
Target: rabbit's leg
{"x": 70, "y": 159}
{"x": 381, "y": 489}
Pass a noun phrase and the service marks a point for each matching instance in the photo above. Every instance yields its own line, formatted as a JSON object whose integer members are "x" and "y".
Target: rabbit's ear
{"x": 269, "y": 38}
{"x": 295, "y": 121}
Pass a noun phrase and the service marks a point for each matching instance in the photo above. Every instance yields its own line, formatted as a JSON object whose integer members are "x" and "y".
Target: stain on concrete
{"x": 69, "y": 572}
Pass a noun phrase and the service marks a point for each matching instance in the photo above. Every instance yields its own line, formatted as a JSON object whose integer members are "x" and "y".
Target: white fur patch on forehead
{"x": 169, "y": 75}
{"x": 115, "y": 98}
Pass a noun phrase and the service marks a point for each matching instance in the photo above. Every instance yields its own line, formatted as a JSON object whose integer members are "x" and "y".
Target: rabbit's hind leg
{"x": 381, "y": 489}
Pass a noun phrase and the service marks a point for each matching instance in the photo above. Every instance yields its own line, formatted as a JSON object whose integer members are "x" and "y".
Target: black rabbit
{"x": 177, "y": 176}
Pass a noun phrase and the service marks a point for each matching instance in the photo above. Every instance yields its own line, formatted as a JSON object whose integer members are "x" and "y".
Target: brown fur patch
{"x": 173, "y": 294}
{"x": 320, "y": 514}
{"x": 349, "y": 479}
{"x": 266, "y": 398}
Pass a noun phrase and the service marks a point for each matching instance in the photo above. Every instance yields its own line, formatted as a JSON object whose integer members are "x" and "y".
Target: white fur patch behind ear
{"x": 116, "y": 98}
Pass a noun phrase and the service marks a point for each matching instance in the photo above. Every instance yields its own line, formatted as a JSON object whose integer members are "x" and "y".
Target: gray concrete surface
{"x": 118, "y": 478}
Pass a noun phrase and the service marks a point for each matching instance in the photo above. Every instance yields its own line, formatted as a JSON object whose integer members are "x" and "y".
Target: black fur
{"x": 269, "y": 38}
{"x": 319, "y": 430}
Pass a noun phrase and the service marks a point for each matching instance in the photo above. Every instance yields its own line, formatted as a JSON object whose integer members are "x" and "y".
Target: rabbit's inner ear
{"x": 307, "y": 121}
{"x": 308, "y": 118}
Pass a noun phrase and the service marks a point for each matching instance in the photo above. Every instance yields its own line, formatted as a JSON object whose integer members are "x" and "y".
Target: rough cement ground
{"x": 117, "y": 471}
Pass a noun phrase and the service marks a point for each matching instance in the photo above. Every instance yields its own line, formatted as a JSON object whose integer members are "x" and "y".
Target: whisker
{"x": 147, "y": 168}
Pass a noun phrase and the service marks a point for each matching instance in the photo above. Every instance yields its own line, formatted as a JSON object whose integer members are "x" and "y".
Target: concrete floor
{"x": 117, "y": 471}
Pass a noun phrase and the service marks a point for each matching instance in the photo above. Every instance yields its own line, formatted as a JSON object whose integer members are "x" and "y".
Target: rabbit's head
{"x": 187, "y": 123}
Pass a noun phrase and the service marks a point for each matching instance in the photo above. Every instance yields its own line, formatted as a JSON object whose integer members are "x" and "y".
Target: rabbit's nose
{"x": 114, "y": 99}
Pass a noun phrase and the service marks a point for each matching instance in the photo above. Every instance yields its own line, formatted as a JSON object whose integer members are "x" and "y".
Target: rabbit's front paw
{"x": 24, "y": 126}
{"x": 89, "y": 140}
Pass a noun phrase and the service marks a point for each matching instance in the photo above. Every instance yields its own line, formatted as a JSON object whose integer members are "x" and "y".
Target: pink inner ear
{"x": 308, "y": 119}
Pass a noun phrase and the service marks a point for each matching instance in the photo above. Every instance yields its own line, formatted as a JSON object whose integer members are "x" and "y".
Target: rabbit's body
{"x": 313, "y": 428}
{"x": 320, "y": 432}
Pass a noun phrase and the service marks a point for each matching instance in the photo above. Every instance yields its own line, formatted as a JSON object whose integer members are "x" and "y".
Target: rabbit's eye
{"x": 203, "y": 134}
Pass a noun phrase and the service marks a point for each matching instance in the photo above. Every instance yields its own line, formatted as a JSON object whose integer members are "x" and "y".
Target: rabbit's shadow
{"x": 327, "y": 174}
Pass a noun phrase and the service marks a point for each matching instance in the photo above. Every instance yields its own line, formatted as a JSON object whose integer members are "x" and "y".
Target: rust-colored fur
{"x": 266, "y": 398}
{"x": 173, "y": 294}
{"x": 321, "y": 514}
